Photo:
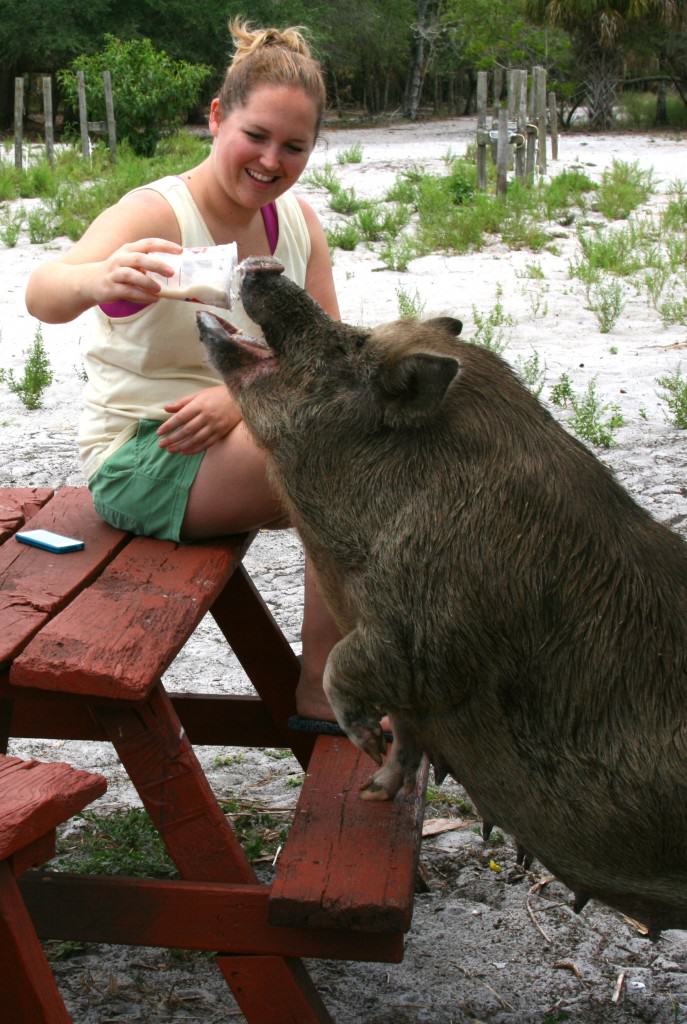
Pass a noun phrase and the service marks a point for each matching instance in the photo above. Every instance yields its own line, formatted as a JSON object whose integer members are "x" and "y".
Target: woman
{"x": 163, "y": 445}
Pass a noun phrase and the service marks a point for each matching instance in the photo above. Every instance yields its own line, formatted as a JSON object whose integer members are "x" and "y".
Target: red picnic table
{"x": 85, "y": 638}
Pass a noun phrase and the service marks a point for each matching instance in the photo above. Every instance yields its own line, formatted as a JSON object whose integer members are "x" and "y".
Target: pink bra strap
{"x": 271, "y": 221}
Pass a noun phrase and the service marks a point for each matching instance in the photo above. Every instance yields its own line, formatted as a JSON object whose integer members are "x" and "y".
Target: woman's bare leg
{"x": 231, "y": 494}
{"x": 319, "y": 634}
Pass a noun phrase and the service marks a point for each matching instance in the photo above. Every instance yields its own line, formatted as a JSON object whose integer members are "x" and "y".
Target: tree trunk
{"x": 602, "y": 71}
{"x": 423, "y": 32}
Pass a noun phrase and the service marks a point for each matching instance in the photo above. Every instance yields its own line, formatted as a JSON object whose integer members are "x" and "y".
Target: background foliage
{"x": 380, "y": 56}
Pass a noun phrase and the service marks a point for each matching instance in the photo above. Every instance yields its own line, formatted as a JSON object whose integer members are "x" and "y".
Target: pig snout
{"x": 232, "y": 354}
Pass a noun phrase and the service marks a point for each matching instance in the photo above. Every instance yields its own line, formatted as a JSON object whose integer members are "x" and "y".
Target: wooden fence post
{"x": 498, "y": 88}
{"x": 83, "y": 115}
{"x": 502, "y": 153}
{"x": 482, "y": 132}
{"x": 109, "y": 115}
{"x": 47, "y": 116}
{"x": 18, "y": 122}
{"x": 553, "y": 122}
{"x": 521, "y": 116}
{"x": 540, "y": 120}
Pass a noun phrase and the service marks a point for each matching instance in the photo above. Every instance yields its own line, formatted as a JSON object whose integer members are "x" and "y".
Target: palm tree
{"x": 599, "y": 29}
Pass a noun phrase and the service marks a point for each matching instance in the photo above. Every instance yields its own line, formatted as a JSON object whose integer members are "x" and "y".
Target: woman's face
{"x": 262, "y": 148}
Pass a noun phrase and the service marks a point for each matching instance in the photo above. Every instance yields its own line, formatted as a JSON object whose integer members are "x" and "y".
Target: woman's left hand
{"x": 198, "y": 421}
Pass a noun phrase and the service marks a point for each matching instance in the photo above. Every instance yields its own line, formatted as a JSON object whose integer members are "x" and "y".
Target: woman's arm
{"x": 108, "y": 262}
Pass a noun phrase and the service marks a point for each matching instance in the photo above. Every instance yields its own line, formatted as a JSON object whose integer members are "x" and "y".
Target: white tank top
{"x": 137, "y": 363}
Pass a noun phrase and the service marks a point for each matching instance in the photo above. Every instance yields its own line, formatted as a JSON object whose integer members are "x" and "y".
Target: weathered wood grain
{"x": 117, "y": 637}
{"x": 35, "y": 797}
{"x": 18, "y": 505}
{"x": 347, "y": 862}
{"x": 34, "y": 584}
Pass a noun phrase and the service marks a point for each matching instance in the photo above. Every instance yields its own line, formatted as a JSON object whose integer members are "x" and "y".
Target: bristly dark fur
{"x": 504, "y": 599}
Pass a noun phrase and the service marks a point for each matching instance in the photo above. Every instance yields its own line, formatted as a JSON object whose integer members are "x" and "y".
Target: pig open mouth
{"x": 241, "y": 357}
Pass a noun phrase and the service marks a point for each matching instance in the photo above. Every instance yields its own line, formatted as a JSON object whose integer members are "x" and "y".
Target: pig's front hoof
{"x": 374, "y": 791}
{"x": 385, "y": 783}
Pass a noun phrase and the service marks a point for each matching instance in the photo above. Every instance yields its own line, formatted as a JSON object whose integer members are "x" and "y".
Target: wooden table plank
{"x": 36, "y": 797}
{"x": 348, "y": 862}
{"x": 18, "y": 505}
{"x": 35, "y": 584}
{"x": 185, "y": 915}
{"x": 117, "y": 637}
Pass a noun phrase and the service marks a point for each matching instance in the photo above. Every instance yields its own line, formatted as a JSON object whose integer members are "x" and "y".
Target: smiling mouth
{"x": 262, "y": 179}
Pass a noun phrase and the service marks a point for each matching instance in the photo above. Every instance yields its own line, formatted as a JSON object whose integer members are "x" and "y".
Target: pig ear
{"x": 413, "y": 387}
{"x": 447, "y": 323}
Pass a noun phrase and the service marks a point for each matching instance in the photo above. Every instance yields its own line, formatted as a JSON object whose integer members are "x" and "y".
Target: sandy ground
{"x": 488, "y": 943}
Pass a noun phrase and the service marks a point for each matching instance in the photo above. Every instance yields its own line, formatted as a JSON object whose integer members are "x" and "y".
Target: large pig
{"x": 507, "y": 603}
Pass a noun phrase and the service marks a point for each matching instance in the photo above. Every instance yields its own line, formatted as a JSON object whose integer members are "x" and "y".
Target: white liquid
{"x": 203, "y": 274}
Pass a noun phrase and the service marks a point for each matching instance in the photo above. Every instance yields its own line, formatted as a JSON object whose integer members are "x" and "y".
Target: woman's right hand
{"x": 109, "y": 262}
{"x": 123, "y": 276}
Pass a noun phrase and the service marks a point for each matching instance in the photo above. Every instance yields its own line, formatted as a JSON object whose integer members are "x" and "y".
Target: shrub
{"x": 623, "y": 188}
{"x": 152, "y": 93}
{"x": 36, "y": 378}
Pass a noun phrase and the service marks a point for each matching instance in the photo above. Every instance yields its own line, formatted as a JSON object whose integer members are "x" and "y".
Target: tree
{"x": 601, "y": 30}
{"x": 426, "y": 31}
{"x": 152, "y": 93}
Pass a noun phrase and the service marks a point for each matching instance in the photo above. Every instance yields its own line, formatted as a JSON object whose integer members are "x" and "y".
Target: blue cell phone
{"x": 49, "y": 541}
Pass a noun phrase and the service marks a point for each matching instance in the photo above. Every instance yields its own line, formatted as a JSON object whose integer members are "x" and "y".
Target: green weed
{"x": 40, "y": 225}
{"x": 606, "y": 302}
{"x": 352, "y": 155}
{"x": 566, "y": 190}
{"x": 11, "y": 223}
{"x": 344, "y": 200}
{"x": 623, "y": 188}
{"x": 37, "y": 375}
{"x": 491, "y": 328}
{"x": 532, "y": 373}
{"x": 325, "y": 178}
{"x": 410, "y": 307}
{"x": 343, "y": 236}
{"x": 673, "y": 311}
{"x": 562, "y": 394}
{"x": 590, "y": 421}
{"x": 397, "y": 253}
{"x": 674, "y": 388}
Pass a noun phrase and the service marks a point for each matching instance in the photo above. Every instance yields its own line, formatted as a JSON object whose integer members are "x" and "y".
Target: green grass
{"x": 126, "y": 842}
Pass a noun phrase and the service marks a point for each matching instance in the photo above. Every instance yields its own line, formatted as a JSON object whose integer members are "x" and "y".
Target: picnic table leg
{"x": 274, "y": 1002}
{"x": 28, "y": 992}
{"x": 163, "y": 767}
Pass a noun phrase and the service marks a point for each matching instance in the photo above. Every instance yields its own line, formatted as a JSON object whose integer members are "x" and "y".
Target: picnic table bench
{"x": 34, "y": 799}
{"x": 85, "y": 639}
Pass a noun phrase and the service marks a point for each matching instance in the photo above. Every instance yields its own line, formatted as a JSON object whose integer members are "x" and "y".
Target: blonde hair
{"x": 270, "y": 56}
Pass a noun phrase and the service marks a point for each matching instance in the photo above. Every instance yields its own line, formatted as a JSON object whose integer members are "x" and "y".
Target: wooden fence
{"x": 87, "y": 128}
{"x": 515, "y": 132}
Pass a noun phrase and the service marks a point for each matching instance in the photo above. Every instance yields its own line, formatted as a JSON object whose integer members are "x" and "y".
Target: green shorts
{"x": 143, "y": 488}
